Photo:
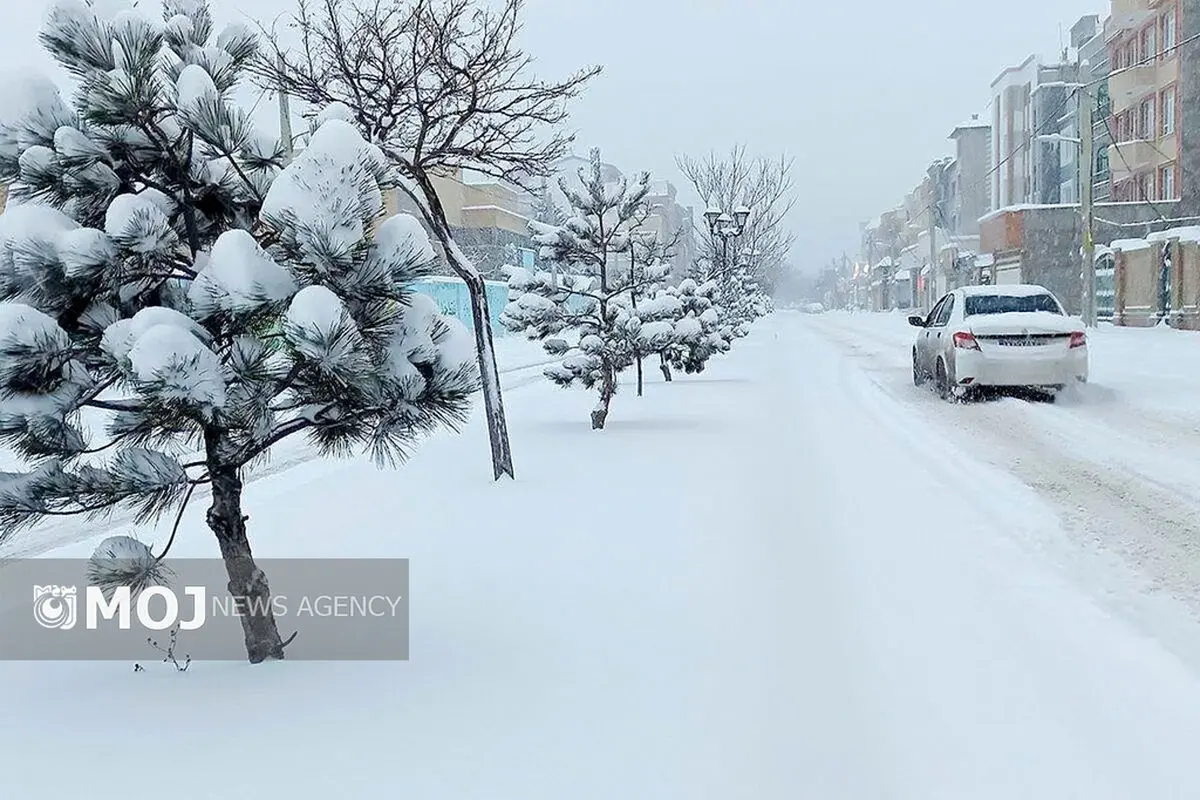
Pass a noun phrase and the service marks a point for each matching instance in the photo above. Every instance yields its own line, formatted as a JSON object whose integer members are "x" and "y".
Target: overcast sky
{"x": 862, "y": 94}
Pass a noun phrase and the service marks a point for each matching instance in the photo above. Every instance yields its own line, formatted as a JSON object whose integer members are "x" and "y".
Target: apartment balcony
{"x": 1129, "y": 86}
{"x": 1126, "y": 16}
{"x": 1134, "y": 158}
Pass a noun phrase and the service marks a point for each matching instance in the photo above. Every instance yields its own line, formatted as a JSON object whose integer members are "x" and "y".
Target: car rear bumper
{"x": 974, "y": 368}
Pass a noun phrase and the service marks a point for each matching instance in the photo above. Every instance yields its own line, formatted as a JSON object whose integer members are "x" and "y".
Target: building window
{"x": 1145, "y": 187}
{"x": 1168, "y": 111}
{"x": 1148, "y": 42}
{"x": 1102, "y": 163}
{"x": 1168, "y": 30}
{"x": 1166, "y": 177}
{"x": 1146, "y": 129}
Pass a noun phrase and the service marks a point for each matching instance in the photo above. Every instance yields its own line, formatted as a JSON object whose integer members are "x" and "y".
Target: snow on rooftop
{"x": 1187, "y": 233}
{"x": 973, "y": 123}
{"x": 1130, "y": 245}
{"x": 1025, "y": 207}
{"x": 501, "y": 209}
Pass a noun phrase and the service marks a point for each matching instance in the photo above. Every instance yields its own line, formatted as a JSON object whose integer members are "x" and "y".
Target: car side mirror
{"x": 917, "y": 321}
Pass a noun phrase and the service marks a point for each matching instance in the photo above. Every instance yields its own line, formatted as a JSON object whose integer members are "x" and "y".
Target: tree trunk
{"x": 493, "y": 401}
{"x": 246, "y": 580}
{"x": 493, "y": 398}
{"x": 608, "y": 387}
{"x": 639, "y": 375}
{"x": 665, "y": 367}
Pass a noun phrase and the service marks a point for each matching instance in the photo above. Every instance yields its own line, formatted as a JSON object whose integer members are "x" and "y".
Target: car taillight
{"x": 1078, "y": 339}
{"x": 966, "y": 341}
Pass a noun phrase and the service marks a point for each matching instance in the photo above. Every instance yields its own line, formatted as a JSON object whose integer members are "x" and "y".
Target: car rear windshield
{"x": 1010, "y": 304}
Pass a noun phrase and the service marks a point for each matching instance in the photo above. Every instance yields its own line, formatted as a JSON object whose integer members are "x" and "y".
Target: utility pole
{"x": 1087, "y": 162}
{"x": 934, "y": 268}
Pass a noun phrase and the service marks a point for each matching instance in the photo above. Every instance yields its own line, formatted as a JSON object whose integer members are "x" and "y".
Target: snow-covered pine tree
{"x": 656, "y": 310}
{"x": 700, "y": 332}
{"x": 546, "y": 209}
{"x": 659, "y": 312}
{"x": 172, "y": 304}
{"x": 742, "y": 298}
{"x": 591, "y": 300}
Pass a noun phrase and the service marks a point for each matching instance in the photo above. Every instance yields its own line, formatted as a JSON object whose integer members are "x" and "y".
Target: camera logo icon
{"x": 55, "y": 607}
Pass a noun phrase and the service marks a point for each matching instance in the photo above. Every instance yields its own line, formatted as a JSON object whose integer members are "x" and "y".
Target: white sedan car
{"x": 999, "y": 336}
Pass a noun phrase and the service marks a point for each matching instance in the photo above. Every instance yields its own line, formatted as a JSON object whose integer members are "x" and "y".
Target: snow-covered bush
{"x": 659, "y": 311}
{"x": 586, "y": 311}
{"x": 700, "y": 332}
{"x": 174, "y": 302}
{"x": 741, "y": 299}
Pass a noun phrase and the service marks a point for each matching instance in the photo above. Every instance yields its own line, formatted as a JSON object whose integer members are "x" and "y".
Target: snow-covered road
{"x": 973, "y": 648}
{"x": 1118, "y": 460}
{"x": 793, "y": 576}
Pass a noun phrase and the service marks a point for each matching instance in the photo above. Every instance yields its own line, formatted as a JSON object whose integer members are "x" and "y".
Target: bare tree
{"x": 762, "y": 184}
{"x": 439, "y": 85}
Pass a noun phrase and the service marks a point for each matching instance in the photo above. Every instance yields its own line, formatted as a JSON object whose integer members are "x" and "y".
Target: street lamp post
{"x": 726, "y": 227}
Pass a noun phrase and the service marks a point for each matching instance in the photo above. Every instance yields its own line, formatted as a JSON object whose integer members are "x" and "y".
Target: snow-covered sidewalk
{"x": 770, "y": 581}
{"x": 519, "y": 361}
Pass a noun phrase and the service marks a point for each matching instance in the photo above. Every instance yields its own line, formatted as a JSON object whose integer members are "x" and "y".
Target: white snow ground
{"x": 805, "y": 580}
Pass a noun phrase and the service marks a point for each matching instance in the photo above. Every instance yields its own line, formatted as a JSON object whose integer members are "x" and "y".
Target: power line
{"x": 1057, "y": 114}
{"x": 1055, "y": 117}
{"x": 1141, "y": 189}
{"x": 1143, "y": 62}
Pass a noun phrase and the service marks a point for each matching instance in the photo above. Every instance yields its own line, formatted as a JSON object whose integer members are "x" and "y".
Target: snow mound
{"x": 402, "y": 235}
{"x": 317, "y": 309}
{"x": 120, "y": 337}
{"x": 24, "y": 327}
{"x": 239, "y": 276}
{"x": 327, "y": 178}
{"x": 177, "y": 366}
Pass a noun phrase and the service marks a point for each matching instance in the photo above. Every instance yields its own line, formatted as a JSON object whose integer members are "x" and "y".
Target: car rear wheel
{"x": 942, "y": 381}
{"x": 919, "y": 376}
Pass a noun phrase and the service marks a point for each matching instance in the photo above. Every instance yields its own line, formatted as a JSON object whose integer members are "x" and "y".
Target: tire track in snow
{"x": 1036, "y": 527}
{"x": 1154, "y": 431}
{"x": 1115, "y": 495}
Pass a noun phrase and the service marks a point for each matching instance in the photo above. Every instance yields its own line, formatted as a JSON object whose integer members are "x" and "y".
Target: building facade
{"x": 1087, "y": 36}
{"x": 668, "y": 220}
{"x": 971, "y": 191}
{"x": 1054, "y": 110}
{"x": 489, "y": 220}
{"x": 671, "y": 221}
{"x": 1144, "y": 92}
{"x": 1012, "y": 121}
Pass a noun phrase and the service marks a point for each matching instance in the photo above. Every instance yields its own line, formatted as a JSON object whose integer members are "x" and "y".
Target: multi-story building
{"x": 1087, "y": 36}
{"x": 1055, "y": 105}
{"x": 1145, "y": 95}
{"x": 1035, "y": 126}
{"x": 672, "y": 221}
{"x": 1012, "y": 127}
{"x": 668, "y": 219}
{"x": 489, "y": 219}
{"x": 971, "y": 187}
